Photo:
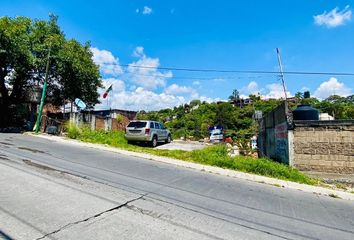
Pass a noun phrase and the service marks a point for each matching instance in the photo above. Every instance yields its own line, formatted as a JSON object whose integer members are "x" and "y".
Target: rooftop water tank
{"x": 306, "y": 112}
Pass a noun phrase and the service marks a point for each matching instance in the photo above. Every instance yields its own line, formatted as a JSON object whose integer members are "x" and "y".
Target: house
{"x": 110, "y": 119}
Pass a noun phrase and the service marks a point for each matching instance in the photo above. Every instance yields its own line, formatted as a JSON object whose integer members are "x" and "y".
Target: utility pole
{"x": 288, "y": 113}
{"x": 281, "y": 73}
{"x": 39, "y": 116}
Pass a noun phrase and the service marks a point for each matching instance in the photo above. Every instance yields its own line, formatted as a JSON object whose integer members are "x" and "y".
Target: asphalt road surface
{"x": 97, "y": 194}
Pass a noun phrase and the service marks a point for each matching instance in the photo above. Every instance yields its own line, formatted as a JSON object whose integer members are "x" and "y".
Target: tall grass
{"x": 211, "y": 155}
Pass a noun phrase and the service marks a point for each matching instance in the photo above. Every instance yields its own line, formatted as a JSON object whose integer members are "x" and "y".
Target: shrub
{"x": 73, "y": 131}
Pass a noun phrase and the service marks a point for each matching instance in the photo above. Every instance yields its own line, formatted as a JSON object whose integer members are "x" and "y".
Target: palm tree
{"x": 235, "y": 95}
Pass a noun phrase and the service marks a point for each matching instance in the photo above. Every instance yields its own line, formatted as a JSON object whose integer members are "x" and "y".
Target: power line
{"x": 197, "y": 78}
{"x": 236, "y": 71}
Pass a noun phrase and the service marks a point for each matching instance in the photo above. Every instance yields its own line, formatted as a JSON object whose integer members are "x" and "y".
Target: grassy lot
{"x": 212, "y": 155}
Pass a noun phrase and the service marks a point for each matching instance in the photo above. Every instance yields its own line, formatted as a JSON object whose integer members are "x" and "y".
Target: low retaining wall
{"x": 324, "y": 146}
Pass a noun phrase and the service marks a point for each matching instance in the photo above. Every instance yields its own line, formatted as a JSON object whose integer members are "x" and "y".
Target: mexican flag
{"x": 105, "y": 94}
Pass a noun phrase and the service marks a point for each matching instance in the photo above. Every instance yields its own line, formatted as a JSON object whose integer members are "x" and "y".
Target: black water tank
{"x": 306, "y": 112}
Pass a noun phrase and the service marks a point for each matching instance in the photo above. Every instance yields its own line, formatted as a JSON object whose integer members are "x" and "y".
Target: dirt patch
{"x": 4, "y": 158}
{"x": 31, "y": 150}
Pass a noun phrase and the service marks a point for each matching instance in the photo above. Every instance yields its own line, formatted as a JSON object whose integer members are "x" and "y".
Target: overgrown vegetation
{"x": 212, "y": 155}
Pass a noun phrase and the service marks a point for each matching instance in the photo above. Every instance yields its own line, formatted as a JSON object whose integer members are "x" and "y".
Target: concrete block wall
{"x": 324, "y": 146}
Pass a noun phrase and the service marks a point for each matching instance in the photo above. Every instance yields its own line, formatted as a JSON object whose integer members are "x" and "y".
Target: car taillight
{"x": 147, "y": 131}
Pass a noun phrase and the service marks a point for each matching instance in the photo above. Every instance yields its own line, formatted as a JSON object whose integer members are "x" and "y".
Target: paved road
{"x": 198, "y": 204}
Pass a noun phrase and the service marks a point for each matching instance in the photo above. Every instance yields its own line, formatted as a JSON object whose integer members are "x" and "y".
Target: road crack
{"x": 92, "y": 217}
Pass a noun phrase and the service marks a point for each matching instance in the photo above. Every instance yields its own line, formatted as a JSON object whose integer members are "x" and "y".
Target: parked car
{"x": 216, "y": 136}
{"x": 147, "y": 131}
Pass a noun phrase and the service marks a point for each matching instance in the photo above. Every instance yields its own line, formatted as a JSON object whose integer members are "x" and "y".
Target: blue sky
{"x": 232, "y": 35}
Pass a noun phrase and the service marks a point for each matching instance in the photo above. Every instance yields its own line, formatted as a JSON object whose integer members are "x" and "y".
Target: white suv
{"x": 147, "y": 131}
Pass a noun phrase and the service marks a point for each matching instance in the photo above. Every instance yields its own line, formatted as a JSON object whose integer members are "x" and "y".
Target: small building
{"x": 310, "y": 145}
{"x": 112, "y": 119}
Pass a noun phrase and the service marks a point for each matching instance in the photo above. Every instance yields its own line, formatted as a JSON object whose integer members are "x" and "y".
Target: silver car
{"x": 147, "y": 131}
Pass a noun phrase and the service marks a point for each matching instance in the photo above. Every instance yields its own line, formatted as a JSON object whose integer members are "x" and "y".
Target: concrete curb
{"x": 210, "y": 169}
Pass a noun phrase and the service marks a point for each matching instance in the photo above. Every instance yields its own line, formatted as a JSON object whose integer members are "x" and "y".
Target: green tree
{"x": 299, "y": 95}
{"x": 24, "y": 45}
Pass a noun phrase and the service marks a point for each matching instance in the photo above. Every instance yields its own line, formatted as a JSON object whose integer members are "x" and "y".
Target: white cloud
{"x": 108, "y": 63}
{"x": 147, "y": 10}
{"x": 142, "y": 99}
{"x": 140, "y": 79}
{"x": 138, "y": 52}
{"x": 275, "y": 90}
{"x": 210, "y": 100}
{"x": 136, "y": 99}
{"x": 334, "y": 18}
{"x": 197, "y": 83}
{"x": 144, "y": 72}
{"x": 304, "y": 89}
{"x": 251, "y": 88}
{"x": 331, "y": 87}
{"x": 218, "y": 80}
{"x": 117, "y": 85}
{"x": 176, "y": 89}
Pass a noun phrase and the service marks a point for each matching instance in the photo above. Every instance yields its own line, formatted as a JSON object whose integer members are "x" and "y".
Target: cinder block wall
{"x": 324, "y": 146}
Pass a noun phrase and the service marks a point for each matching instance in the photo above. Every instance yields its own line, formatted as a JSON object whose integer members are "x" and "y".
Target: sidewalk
{"x": 211, "y": 169}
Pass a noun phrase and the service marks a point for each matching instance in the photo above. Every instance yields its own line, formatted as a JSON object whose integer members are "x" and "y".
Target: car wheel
{"x": 169, "y": 139}
{"x": 154, "y": 141}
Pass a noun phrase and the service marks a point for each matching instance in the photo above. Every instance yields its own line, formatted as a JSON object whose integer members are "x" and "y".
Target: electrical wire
{"x": 235, "y": 71}
{"x": 197, "y": 78}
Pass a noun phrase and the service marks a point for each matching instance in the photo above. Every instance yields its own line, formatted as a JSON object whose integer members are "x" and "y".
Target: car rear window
{"x": 137, "y": 124}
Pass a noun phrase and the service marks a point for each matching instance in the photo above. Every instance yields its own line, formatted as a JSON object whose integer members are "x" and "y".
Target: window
{"x": 152, "y": 125}
{"x": 137, "y": 124}
{"x": 157, "y": 125}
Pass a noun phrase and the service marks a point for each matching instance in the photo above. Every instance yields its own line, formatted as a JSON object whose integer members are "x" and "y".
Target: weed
{"x": 341, "y": 186}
